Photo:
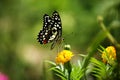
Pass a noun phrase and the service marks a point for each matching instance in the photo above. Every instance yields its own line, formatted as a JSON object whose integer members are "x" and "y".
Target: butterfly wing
{"x": 56, "y": 28}
{"x": 45, "y": 33}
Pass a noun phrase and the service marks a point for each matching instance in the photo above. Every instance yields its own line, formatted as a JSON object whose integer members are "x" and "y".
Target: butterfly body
{"x": 52, "y": 30}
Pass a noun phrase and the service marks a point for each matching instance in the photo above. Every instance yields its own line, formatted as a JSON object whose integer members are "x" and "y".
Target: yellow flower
{"x": 109, "y": 54}
{"x": 64, "y": 56}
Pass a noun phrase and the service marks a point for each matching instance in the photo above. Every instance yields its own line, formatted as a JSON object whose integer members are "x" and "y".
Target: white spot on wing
{"x": 56, "y": 18}
{"x": 57, "y": 25}
{"x": 43, "y": 38}
{"x": 46, "y": 33}
{"x": 59, "y": 19}
{"x": 49, "y": 20}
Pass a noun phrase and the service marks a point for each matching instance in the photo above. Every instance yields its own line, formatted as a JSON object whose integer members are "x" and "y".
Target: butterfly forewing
{"x": 52, "y": 29}
{"x": 57, "y": 28}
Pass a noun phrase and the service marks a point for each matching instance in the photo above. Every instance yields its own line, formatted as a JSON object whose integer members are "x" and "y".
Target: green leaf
{"x": 59, "y": 72}
{"x": 100, "y": 70}
{"x": 50, "y": 62}
{"x": 63, "y": 78}
{"x": 77, "y": 72}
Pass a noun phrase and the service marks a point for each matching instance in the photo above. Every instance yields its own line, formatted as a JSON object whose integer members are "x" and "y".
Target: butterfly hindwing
{"x": 44, "y": 34}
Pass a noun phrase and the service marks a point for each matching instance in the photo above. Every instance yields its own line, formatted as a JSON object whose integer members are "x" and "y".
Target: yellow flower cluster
{"x": 64, "y": 56}
{"x": 109, "y": 54}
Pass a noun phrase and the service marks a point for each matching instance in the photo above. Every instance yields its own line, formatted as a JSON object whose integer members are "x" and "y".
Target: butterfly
{"x": 52, "y": 30}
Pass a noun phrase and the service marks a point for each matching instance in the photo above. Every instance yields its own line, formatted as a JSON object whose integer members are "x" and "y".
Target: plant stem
{"x": 68, "y": 67}
{"x": 111, "y": 38}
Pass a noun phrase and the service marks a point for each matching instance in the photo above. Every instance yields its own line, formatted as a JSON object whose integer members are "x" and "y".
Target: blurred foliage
{"x": 21, "y": 20}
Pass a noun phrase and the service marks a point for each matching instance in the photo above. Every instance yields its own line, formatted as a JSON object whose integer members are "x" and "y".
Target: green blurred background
{"x": 22, "y": 57}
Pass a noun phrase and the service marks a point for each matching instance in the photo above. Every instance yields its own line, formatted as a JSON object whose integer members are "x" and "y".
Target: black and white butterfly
{"x": 52, "y": 30}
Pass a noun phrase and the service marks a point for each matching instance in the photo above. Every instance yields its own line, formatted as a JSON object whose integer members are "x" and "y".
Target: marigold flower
{"x": 64, "y": 56}
{"x": 109, "y": 54}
